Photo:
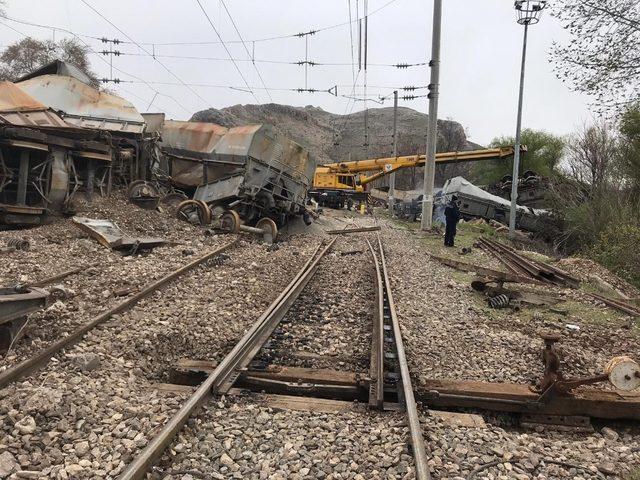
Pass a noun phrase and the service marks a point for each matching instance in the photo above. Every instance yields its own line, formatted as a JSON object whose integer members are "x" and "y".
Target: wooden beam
{"x": 519, "y": 398}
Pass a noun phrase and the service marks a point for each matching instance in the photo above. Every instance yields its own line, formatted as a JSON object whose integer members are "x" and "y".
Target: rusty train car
{"x": 63, "y": 140}
{"x": 250, "y": 169}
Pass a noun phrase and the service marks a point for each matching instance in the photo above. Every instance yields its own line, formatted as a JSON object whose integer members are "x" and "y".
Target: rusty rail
{"x": 417, "y": 441}
{"x": 353, "y": 230}
{"x": 59, "y": 276}
{"x": 522, "y": 265}
{"x": 228, "y": 369}
{"x": 376, "y": 369}
{"x": 617, "y": 304}
{"x": 38, "y": 360}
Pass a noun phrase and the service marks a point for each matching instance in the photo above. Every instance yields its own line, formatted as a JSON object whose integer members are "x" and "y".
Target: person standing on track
{"x": 452, "y": 215}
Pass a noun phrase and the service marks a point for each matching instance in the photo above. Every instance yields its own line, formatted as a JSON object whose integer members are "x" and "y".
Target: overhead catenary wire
{"x": 256, "y": 40}
{"x": 97, "y": 12}
{"x": 226, "y": 49}
{"x": 306, "y": 62}
{"x": 246, "y": 49}
{"x": 90, "y": 50}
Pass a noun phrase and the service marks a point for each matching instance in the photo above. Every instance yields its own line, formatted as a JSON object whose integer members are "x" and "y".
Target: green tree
{"x": 28, "y": 54}
{"x": 630, "y": 148}
{"x": 601, "y": 56}
{"x": 544, "y": 152}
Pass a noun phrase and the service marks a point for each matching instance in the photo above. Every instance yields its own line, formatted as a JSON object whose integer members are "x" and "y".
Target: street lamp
{"x": 529, "y": 13}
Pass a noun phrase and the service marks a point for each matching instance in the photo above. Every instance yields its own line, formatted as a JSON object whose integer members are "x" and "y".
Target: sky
{"x": 480, "y": 60}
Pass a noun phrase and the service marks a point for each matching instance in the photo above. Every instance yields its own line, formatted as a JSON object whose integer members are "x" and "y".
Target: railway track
{"x": 390, "y": 385}
{"x": 41, "y": 358}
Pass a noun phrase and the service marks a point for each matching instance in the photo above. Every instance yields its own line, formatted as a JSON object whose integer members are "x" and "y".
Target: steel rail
{"x": 59, "y": 276}
{"x": 31, "y": 364}
{"x": 617, "y": 304}
{"x": 227, "y": 370}
{"x": 540, "y": 270}
{"x": 417, "y": 441}
{"x": 376, "y": 368}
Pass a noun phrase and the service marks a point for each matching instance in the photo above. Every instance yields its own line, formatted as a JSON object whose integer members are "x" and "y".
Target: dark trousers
{"x": 449, "y": 235}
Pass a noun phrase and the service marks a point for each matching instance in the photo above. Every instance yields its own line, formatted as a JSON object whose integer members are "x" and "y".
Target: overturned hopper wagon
{"x": 251, "y": 169}
{"x": 261, "y": 175}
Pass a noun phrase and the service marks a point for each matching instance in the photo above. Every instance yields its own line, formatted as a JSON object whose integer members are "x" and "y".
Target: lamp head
{"x": 529, "y": 11}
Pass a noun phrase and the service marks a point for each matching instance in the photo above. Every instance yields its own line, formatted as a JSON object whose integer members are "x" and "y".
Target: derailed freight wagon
{"x": 59, "y": 138}
{"x": 250, "y": 170}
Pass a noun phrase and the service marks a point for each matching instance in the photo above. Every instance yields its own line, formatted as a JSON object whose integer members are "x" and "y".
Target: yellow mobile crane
{"x": 337, "y": 184}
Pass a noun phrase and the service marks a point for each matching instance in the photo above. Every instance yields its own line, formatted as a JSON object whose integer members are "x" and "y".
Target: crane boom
{"x": 343, "y": 182}
{"x": 368, "y": 165}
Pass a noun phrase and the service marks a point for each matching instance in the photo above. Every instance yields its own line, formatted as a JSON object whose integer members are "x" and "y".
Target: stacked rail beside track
{"x": 521, "y": 265}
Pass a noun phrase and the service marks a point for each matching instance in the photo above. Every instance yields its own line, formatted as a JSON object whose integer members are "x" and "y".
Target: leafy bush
{"x": 617, "y": 249}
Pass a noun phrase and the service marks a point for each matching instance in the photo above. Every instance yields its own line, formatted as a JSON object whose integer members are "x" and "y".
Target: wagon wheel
{"x": 193, "y": 211}
{"x": 230, "y": 221}
{"x": 134, "y": 188}
{"x": 269, "y": 230}
{"x": 206, "y": 213}
{"x": 174, "y": 199}
{"x": 217, "y": 211}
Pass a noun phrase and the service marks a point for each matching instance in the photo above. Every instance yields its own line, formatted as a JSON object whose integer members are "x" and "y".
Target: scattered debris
{"x": 496, "y": 275}
{"x": 15, "y": 306}
{"x": 499, "y": 301}
{"x": 465, "y": 250}
{"x": 109, "y": 235}
{"x": 18, "y": 243}
{"x": 500, "y": 297}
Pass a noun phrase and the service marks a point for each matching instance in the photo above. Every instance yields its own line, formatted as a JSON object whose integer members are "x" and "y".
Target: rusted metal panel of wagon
{"x": 188, "y": 150}
{"x": 83, "y": 105}
{"x": 261, "y": 174}
{"x": 60, "y": 138}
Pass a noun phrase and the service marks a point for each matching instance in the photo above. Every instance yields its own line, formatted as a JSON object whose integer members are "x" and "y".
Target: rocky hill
{"x": 332, "y": 137}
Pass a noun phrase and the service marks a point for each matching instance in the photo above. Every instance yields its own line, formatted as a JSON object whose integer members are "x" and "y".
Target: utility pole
{"x": 432, "y": 129}
{"x": 392, "y": 178}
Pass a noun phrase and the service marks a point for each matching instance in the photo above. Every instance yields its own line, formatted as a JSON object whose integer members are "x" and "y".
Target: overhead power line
{"x": 246, "y": 49}
{"x": 226, "y": 49}
{"x": 143, "y": 49}
{"x": 256, "y": 40}
{"x": 310, "y": 63}
{"x": 90, "y": 50}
